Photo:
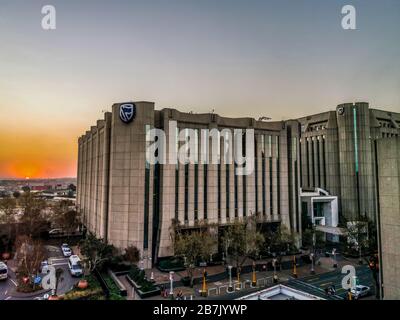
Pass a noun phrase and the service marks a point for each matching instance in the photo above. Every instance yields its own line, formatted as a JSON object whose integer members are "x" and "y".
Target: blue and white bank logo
{"x": 127, "y": 112}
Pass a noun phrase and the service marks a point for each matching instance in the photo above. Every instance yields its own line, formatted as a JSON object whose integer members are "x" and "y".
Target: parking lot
{"x": 55, "y": 258}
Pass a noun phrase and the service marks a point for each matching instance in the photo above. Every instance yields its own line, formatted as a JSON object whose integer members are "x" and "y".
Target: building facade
{"x": 389, "y": 216}
{"x": 128, "y": 201}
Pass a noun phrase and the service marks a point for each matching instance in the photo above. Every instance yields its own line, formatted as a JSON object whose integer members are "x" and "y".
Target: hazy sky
{"x": 281, "y": 59}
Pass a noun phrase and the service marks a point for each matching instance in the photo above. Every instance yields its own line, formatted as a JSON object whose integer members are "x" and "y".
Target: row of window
{"x": 315, "y": 165}
{"x": 266, "y": 144}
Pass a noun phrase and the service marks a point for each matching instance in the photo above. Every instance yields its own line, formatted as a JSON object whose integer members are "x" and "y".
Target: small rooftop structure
{"x": 280, "y": 292}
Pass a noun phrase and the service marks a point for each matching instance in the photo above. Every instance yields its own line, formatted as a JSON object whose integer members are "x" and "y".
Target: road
{"x": 55, "y": 258}
{"x": 316, "y": 284}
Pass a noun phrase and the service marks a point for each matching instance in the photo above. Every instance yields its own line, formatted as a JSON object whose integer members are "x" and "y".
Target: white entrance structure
{"x": 322, "y": 209}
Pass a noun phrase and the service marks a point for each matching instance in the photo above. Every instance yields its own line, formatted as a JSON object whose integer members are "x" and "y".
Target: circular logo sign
{"x": 340, "y": 111}
{"x": 127, "y": 112}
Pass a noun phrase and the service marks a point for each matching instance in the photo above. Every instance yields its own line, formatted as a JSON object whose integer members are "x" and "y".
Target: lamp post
{"x": 275, "y": 278}
{"x": 230, "y": 287}
{"x": 254, "y": 278}
{"x": 204, "y": 286}
{"x": 312, "y": 263}
{"x": 171, "y": 279}
{"x": 294, "y": 267}
{"x": 334, "y": 257}
{"x": 141, "y": 264}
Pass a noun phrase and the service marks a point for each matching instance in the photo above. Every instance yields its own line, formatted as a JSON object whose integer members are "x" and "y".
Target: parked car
{"x": 59, "y": 233}
{"x": 360, "y": 291}
{"x": 56, "y": 233}
{"x": 75, "y": 266}
{"x": 3, "y": 271}
{"x": 67, "y": 252}
{"x": 44, "y": 267}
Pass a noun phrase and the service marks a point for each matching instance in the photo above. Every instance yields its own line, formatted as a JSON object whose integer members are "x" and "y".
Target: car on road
{"x": 3, "y": 271}
{"x": 360, "y": 291}
{"x": 75, "y": 266}
{"x": 66, "y": 250}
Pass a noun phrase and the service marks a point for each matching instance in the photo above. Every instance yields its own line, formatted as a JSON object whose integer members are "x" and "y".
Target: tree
{"x": 7, "y": 216}
{"x": 72, "y": 187}
{"x": 357, "y": 236}
{"x": 65, "y": 216}
{"x": 132, "y": 254}
{"x": 193, "y": 246}
{"x": 281, "y": 239}
{"x": 32, "y": 213}
{"x": 313, "y": 239}
{"x": 97, "y": 251}
{"x": 29, "y": 256}
{"x": 242, "y": 240}
{"x": 16, "y": 194}
{"x": 26, "y": 189}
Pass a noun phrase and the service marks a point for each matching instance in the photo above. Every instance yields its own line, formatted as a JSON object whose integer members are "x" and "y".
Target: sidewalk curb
{"x": 28, "y": 295}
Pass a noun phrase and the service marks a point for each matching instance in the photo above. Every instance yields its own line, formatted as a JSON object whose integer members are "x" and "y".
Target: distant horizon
{"x": 33, "y": 179}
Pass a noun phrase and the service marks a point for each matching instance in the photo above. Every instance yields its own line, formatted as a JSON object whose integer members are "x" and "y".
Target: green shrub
{"x": 114, "y": 289}
{"x": 138, "y": 276}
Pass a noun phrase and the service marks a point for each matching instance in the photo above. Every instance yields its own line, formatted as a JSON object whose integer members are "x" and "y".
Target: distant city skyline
{"x": 282, "y": 59}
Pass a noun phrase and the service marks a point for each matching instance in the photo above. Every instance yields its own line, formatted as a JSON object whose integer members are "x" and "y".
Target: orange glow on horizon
{"x": 28, "y": 156}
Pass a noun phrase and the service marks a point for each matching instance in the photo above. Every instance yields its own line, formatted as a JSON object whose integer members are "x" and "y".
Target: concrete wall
{"x": 389, "y": 228}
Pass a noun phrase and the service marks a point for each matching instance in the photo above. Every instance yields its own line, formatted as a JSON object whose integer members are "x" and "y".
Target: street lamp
{"x": 294, "y": 267}
{"x": 230, "y": 287}
{"x": 275, "y": 279}
{"x": 312, "y": 263}
{"x": 171, "y": 279}
{"x": 334, "y": 257}
{"x": 204, "y": 286}
{"x": 254, "y": 278}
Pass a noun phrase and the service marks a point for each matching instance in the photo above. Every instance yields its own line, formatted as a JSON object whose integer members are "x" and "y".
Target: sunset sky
{"x": 281, "y": 59}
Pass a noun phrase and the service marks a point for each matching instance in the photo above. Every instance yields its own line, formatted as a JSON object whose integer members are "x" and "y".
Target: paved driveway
{"x": 55, "y": 257}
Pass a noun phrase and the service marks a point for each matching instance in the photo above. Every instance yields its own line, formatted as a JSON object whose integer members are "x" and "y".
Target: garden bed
{"x": 141, "y": 285}
{"x": 116, "y": 290}
{"x": 92, "y": 292}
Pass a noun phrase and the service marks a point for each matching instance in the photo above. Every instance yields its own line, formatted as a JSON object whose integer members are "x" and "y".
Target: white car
{"x": 3, "y": 271}
{"x": 44, "y": 267}
{"x": 75, "y": 266}
{"x": 360, "y": 291}
{"x": 67, "y": 252}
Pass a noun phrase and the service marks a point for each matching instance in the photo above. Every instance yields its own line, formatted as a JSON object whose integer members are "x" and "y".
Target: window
{"x": 263, "y": 174}
{"x": 196, "y": 177}
{"x": 271, "y": 190}
{"x": 146, "y": 201}
{"x": 256, "y": 173}
{"x": 177, "y": 177}
{"x": 244, "y": 177}
{"x": 227, "y": 184}
{"x": 186, "y": 208}
{"x": 318, "y": 209}
{"x": 236, "y": 192}
{"x": 205, "y": 190}
{"x": 278, "y": 176}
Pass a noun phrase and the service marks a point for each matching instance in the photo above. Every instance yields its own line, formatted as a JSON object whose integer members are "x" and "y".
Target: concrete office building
{"x": 389, "y": 216}
{"x": 127, "y": 201}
